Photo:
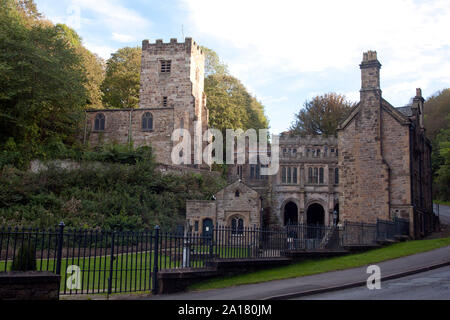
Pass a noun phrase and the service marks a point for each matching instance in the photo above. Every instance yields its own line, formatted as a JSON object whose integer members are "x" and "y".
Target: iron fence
{"x": 401, "y": 226}
{"x": 93, "y": 261}
{"x": 386, "y": 230}
{"x": 359, "y": 233}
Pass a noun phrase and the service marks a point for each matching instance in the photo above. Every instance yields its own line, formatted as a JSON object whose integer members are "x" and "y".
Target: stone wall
{"x": 364, "y": 173}
{"x": 175, "y": 99}
{"x": 236, "y": 200}
{"x": 385, "y": 158}
{"x": 125, "y": 126}
{"x": 396, "y": 153}
{"x": 29, "y": 286}
{"x": 301, "y": 153}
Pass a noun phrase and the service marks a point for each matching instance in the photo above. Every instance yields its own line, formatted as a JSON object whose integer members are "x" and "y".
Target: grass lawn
{"x": 310, "y": 267}
{"x": 445, "y": 203}
{"x": 131, "y": 272}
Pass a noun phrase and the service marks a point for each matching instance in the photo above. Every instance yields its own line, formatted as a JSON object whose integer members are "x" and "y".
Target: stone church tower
{"x": 172, "y": 78}
{"x": 171, "y": 96}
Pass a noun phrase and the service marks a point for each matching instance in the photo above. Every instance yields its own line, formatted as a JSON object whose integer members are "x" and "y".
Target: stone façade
{"x": 384, "y": 157}
{"x": 378, "y": 167}
{"x": 173, "y": 97}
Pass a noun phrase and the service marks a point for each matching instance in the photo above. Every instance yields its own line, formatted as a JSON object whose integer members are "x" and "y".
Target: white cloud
{"x": 103, "y": 51}
{"x": 111, "y": 14}
{"x": 122, "y": 37}
{"x": 274, "y": 38}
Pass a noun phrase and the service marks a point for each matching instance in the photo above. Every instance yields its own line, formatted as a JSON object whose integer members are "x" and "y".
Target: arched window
{"x": 147, "y": 121}
{"x": 237, "y": 225}
{"x": 321, "y": 179}
{"x": 99, "y": 124}
{"x": 237, "y": 194}
{"x": 336, "y": 175}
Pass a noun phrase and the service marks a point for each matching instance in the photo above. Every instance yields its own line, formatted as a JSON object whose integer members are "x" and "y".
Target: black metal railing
{"x": 359, "y": 233}
{"x": 401, "y": 226}
{"x": 93, "y": 261}
{"x": 386, "y": 230}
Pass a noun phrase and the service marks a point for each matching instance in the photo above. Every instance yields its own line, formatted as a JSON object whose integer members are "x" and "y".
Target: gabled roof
{"x": 238, "y": 184}
{"x": 395, "y": 113}
{"x": 353, "y": 112}
{"x": 400, "y": 114}
{"x": 406, "y": 110}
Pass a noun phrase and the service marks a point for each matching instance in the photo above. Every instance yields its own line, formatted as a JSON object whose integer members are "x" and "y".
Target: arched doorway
{"x": 315, "y": 214}
{"x": 290, "y": 213}
{"x": 315, "y": 218}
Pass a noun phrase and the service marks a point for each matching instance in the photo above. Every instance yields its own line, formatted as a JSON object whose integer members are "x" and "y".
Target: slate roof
{"x": 406, "y": 110}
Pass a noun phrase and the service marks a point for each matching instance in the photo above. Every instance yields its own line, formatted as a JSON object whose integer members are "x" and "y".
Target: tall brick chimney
{"x": 418, "y": 105}
{"x": 370, "y": 72}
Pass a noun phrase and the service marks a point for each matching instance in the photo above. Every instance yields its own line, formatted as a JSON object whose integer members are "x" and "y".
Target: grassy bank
{"x": 310, "y": 267}
{"x": 126, "y": 192}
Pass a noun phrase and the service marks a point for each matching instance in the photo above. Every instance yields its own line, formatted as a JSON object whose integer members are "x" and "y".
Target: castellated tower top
{"x": 189, "y": 45}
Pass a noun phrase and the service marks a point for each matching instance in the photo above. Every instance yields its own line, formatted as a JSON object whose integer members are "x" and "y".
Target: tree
{"x": 41, "y": 87}
{"x": 231, "y": 106}
{"x": 436, "y": 109}
{"x": 442, "y": 173}
{"x": 93, "y": 67}
{"x": 122, "y": 81}
{"x": 213, "y": 65}
{"x": 321, "y": 115}
{"x": 437, "y": 118}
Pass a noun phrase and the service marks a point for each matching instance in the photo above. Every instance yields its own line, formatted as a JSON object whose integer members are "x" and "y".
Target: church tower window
{"x": 99, "y": 124}
{"x": 147, "y": 122}
{"x": 166, "y": 66}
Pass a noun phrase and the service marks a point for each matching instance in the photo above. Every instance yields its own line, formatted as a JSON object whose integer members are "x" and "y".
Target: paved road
{"x": 319, "y": 281}
{"x": 430, "y": 285}
{"x": 444, "y": 213}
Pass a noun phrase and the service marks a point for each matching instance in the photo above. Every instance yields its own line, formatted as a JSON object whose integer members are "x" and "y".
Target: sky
{"x": 284, "y": 52}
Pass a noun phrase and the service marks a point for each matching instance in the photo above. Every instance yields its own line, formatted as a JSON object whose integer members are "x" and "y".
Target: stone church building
{"x": 378, "y": 167}
{"x": 171, "y": 96}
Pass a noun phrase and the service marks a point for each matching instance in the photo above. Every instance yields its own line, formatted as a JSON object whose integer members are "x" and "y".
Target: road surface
{"x": 314, "y": 282}
{"x": 430, "y": 285}
{"x": 444, "y": 213}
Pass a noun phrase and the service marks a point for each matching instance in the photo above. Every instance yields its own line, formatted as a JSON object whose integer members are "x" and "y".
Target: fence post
{"x": 111, "y": 265}
{"x": 211, "y": 243}
{"x": 60, "y": 247}
{"x": 344, "y": 236}
{"x": 377, "y": 230}
{"x": 155, "y": 261}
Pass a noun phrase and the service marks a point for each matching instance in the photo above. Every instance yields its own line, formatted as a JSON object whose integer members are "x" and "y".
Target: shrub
{"x": 25, "y": 259}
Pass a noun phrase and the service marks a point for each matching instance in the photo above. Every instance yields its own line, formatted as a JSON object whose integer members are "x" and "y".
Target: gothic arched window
{"x": 237, "y": 225}
{"x": 147, "y": 121}
{"x": 99, "y": 124}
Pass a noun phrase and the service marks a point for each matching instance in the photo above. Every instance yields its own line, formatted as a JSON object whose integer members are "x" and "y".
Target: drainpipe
{"x": 413, "y": 222}
{"x": 261, "y": 213}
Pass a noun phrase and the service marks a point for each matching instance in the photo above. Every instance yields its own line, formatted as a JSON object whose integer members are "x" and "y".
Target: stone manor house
{"x": 379, "y": 165}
